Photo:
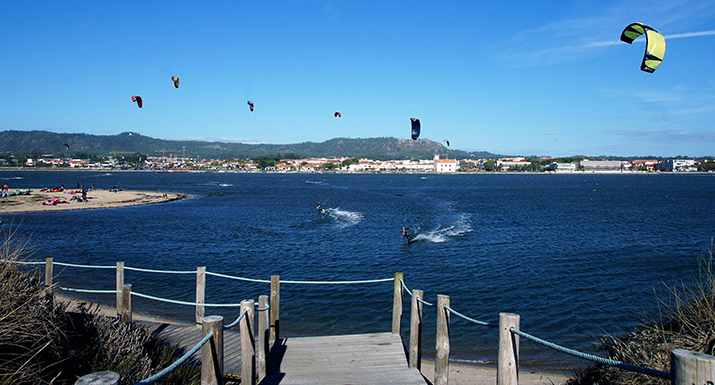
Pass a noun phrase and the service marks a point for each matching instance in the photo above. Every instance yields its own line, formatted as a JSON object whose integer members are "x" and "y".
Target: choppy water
{"x": 574, "y": 255}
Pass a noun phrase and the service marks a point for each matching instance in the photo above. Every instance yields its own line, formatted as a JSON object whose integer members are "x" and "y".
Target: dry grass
{"x": 42, "y": 343}
{"x": 687, "y": 321}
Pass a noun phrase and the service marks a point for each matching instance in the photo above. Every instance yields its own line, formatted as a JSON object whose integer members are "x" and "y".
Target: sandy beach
{"x": 96, "y": 199}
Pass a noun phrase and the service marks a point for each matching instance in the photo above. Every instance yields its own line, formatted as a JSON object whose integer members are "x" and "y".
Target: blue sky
{"x": 531, "y": 78}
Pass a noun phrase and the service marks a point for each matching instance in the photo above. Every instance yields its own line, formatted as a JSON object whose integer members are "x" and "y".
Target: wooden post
{"x": 416, "y": 330}
{"x": 200, "y": 292}
{"x": 275, "y": 307}
{"x": 692, "y": 368}
{"x": 126, "y": 314}
{"x": 263, "y": 336}
{"x": 48, "y": 272}
{"x": 99, "y": 378}
{"x": 508, "y": 356}
{"x": 212, "y": 351}
{"x": 120, "y": 283}
{"x": 397, "y": 303}
{"x": 441, "y": 362}
{"x": 248, "y": 344}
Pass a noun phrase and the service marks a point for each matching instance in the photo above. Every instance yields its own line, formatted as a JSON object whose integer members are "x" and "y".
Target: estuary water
{"x": 576, "y": 256}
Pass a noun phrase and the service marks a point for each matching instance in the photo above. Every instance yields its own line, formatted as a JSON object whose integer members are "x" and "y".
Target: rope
{"x": 263, "y": 308}
{"x": 88, "y": 291}
{"x": 23, "y": 262}
{"x": 183, "y": 302}
{"x": 425, "y": 302}
{"x": 402, "y": 281}
{"x": 176, "y": 364}
{"x": 159, "y": 271}
{"x": 234, "y": 323}
{"x": 84, "y": 266}
{"x": 470, "y": 319}
{"x": 338, "y": 282}
{"x": 601, "y": 360}
{"x": 237, "y": 278}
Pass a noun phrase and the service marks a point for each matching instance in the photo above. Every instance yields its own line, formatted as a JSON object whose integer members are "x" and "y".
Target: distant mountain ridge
{"x": 53, "y": 144}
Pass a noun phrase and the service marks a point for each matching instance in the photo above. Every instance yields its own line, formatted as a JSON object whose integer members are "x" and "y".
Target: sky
{"x": 523, "y": 78}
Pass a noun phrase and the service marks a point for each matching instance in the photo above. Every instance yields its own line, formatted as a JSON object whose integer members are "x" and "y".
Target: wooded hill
{"x": 49, "y": 144}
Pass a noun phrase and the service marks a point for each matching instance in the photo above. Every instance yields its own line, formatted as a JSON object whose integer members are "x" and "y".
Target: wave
{"x": 443, "y": 233}
{"x": 344, "y": 218}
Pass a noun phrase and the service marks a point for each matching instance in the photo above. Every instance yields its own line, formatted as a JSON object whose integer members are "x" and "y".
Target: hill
{"x": 49, "y": 144}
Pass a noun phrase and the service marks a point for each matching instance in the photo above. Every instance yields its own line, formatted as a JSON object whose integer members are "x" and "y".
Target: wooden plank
{"x": 357, "y": 359}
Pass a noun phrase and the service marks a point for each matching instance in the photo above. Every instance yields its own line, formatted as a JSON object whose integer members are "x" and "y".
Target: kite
{"x": 338, "y": 115}
{"x": 654, "y": 44}
{"x": 250, "y": 105}
{"x": 447, "y": 142}
{"x": 415, "y": 128}
{"x": 68, "y": 146}
{"x": 175, "y": 79}
{"x": 138, "y": 100}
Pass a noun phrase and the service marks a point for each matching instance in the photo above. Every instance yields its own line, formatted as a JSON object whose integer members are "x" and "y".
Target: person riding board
{"x": 406, "y": 234}
{"x": 320, "y": 207}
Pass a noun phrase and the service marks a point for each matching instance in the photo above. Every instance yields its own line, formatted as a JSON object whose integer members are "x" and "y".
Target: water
{"x": 574, "y": 255}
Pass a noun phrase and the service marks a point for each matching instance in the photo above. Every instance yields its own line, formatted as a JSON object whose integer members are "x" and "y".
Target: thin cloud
{"x": 671, "y": 136}
{"x": 690, "y": 34}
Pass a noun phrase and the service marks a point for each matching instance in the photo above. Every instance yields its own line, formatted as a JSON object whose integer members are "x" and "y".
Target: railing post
{"x": 275, "y": 307}
{"x": 263, "y": 336}
{"x": 416, "y": 330}
{"x": 120, "y": 283}
{"x": 248, "y": 344}
{"x": 48, "y": 273}
{"x": 508, "y": 356}
{"x": 126, "y": 314}
{"x": 441, "y": 362}
{"x": 692, "y": 367}
{"x": 212, "y": 351}
{"x": 200, "y": 292}
{"x": 397, "y": 303}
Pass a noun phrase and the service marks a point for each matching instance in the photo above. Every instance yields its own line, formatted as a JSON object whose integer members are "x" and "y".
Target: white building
{"x": 563, "y": 167}
{"x": 445, "y": 165}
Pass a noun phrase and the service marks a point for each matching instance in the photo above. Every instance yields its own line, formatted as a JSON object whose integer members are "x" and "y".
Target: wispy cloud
{"x": 690, "y": 34}
{"x": 670, "y": 136}
{"x": 221, "y": 139}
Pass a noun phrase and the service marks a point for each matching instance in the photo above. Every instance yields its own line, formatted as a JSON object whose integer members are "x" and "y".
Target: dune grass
{"x": 686, "y": 321}
{"x": 42, "y": 343}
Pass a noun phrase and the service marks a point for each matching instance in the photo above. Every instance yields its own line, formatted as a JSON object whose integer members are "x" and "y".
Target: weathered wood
{"x": 120, "y": 283}
{"x": 690, "y": 368}
{"x": 248, "y": 345}
{"x": 99, "y": 378}
{"x": 275, "y": 307}
{"x": 263, "y": 336}
{"x": 441, "y": 362}
{"x": 126, "y": 314}
{"x": 48, "y": 273}
{"x": 508, "y": 356}
{"x": 397, "y": 303}
{"x": 416, "y": 330}
{"x": 359, "y": 359}
{"x": 212, "y": 351}
{"x": 200, "y": 292}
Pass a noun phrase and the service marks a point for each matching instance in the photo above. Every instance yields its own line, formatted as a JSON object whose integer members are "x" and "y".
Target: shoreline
{"x": 96, "y": 199}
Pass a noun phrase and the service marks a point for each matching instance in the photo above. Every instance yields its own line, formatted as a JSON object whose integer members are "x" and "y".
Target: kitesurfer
{"x": 406, "y": 234}
{"x": 320, "y": 207}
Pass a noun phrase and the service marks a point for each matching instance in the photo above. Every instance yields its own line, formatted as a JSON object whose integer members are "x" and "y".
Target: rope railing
{"x": 470, "y": 319}
{"x": 237, "y": 278}
{"x": 159, "y": 271}
{"x": 177, "y": 363}
{"x": 184, "y": 302}
{"x": 590, "y": 357}
{"x": 23, "y": 262}
{"x": 87, "y": 290}
{"x": 402, "y": 281}
{"x": 234, "y": 323}
{"x": 339, "y": 282}
{"x": 84, "y": 266}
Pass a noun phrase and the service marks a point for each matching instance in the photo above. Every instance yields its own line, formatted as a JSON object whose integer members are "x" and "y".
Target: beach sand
{"x": 96, "y": 199}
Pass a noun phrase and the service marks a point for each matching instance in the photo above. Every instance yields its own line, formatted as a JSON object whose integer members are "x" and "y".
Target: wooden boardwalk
{"x": 348, "y": 359}
{"x": 377, "y": 358}
{"x": 187, "y": 336}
